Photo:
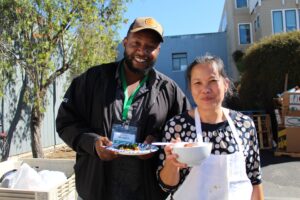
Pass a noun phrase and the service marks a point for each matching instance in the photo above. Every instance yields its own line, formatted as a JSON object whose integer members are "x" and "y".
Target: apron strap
{"x": 233, "y": 129}
{"x": 198, "y": 127}
{"x": 230, "y": 122}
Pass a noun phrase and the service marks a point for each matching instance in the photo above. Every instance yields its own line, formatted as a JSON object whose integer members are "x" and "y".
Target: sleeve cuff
{"x": 164, "y": 187}
{"x": 256, "y": 182}
{"x": 86, "y": 143}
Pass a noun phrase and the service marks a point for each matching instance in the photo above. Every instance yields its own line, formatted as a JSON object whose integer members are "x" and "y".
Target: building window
{"x": 245, "y": 33}
{"x": 277, "y": 22}
{"x": 179, "y": 61}
{"x": 284, "y": 20}
{"x": 241, "y": 3}
{"x": 258, "y": 22}
{"x": 290, "y": 20}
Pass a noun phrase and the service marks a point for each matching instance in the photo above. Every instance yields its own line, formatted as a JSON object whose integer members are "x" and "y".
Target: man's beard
{"x": 129, "y": 64}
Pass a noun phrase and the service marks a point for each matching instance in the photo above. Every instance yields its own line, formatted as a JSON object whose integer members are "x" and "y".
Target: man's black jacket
{"x": 87, "y": 112}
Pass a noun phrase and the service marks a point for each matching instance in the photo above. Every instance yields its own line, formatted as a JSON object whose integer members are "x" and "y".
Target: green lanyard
{"x": 128, "y": 100}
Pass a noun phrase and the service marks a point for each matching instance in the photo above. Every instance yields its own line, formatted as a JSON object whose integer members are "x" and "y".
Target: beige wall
{"x": 231, "y": 35}
{"x": 234, "y": 17}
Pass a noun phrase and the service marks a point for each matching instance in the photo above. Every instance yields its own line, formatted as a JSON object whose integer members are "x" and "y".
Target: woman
{"x": 232, "y": 171}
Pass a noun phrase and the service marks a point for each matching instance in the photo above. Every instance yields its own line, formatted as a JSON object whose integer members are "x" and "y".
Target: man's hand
{"x": 101, "y": 150}
{"x": 149, "y": 139}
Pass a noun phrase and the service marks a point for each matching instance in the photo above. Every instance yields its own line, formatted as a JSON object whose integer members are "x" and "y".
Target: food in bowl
{"x": 192, "y": 154}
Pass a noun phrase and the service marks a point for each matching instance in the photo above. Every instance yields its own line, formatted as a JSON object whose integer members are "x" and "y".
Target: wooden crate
{"x": 264, "y": 130}
{"x": 283, "y": 153}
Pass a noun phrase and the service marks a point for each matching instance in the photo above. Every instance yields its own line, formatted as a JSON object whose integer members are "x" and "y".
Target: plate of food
{"x": 133, "y": 149}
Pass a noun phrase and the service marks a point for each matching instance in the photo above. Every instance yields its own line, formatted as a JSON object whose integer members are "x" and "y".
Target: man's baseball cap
{"x": 144, "y": 23}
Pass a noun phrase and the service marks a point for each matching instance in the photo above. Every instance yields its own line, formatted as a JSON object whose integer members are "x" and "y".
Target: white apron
{"x": 219, "y": 177}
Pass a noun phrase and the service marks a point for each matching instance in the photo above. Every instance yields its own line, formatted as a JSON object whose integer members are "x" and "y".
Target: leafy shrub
{"x": 237, "y": 56}
{"x": 266, "y": 64}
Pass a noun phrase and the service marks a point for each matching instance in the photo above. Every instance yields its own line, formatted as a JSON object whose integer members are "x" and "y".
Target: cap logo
{"x": 150, "y": 22}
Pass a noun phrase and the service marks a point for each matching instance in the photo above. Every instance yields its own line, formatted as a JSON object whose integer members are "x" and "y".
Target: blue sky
{"x": 178, "y": 17}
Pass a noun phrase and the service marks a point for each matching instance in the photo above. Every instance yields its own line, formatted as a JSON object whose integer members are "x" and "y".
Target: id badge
{"x": 123, "y": 134}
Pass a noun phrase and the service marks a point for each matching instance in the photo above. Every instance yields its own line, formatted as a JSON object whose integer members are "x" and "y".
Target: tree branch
{"x": 64, "y": 27}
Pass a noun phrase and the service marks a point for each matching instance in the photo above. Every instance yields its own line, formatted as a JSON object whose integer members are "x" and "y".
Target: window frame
{"x": 239, "y": 35}
{"x": 258, "y": 21}
{"x": 296, "y": 24}
{"x": 236, "y": 4}
{"x": 283, "y": 16}
{"x": 298, "y": 18}
{"x": 181, "y": 56}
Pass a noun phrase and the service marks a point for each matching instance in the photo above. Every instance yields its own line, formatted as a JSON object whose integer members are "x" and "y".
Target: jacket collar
{"x": 152, "y": 80}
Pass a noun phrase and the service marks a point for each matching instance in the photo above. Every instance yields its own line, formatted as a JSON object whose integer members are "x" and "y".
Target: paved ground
{"x": 281, "y": 176}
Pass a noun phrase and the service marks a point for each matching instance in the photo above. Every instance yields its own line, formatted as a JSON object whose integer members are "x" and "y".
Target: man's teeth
{"x": 140, "y": 60}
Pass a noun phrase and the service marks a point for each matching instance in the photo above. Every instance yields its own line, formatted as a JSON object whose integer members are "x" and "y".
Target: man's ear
{"x": 125, "y": 40}
{"x": 158, "y": 49}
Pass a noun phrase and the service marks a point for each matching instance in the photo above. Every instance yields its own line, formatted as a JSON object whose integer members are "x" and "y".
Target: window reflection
{"x": 277, "y": 22}
{"x": 290, "y": 20}
{"x": 179, "y": 61}
{"x": 245, "y": 33}
{"x": 241, "y": 4}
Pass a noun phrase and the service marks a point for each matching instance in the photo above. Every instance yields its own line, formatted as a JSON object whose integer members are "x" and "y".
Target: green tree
{"x": 43, "y": 39}
{"x": 266, "y": 64}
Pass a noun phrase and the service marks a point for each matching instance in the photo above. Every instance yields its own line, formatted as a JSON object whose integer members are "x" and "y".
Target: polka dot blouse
{"x": 221, "y": 136}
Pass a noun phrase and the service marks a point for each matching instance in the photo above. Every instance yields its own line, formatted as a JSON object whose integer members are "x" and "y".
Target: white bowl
{"x": 192, "y": 155}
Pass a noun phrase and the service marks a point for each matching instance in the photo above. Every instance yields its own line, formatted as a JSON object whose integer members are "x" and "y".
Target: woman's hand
{"x": 170, "y": 172}
{"x": 171, "y": 158}
{"x": 101, "y": 150}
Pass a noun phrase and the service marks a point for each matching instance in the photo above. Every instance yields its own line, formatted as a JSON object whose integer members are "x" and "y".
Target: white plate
{"x": 161, "y": 143}
{"x": 144, "y": 149}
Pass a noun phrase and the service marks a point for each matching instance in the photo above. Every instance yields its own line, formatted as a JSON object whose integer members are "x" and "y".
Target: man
{"x": 126, "y": 99}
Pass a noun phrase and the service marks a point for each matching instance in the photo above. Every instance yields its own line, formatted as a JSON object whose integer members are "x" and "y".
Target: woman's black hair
{"x": 209, "y": 59}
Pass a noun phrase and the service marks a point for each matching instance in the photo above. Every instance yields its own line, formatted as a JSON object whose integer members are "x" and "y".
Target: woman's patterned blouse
{"x": 221, "y": 136}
